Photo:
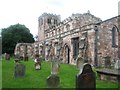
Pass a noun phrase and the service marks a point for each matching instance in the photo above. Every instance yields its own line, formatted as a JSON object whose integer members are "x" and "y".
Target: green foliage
{"x": 15, "y": 34}
{"x": 37, "y": 78}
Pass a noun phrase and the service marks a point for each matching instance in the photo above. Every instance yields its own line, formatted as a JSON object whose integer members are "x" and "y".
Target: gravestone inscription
{"x": 86, "y": 79}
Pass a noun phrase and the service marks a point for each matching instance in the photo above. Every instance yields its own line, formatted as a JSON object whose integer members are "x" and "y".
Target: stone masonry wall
{"x": 105, "y": 41}
{"x": 75, "y": 27}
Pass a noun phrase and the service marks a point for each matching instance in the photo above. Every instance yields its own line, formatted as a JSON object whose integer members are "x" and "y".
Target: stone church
{"x": 83, "y": 35}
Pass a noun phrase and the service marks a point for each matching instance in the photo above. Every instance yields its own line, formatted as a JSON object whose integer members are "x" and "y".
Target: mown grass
{"x": 37, "y": 78}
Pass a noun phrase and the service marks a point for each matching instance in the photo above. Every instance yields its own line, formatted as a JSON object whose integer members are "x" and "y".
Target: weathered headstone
{"x": 53, "y": 81}
{"x": 55, "y": 67}
{"x": 37, "y": 65}
{"x": 37, "y": 62}
{"x": 86, "y": 79}
{"x": 17, "y": 58}
{"x": 19, "y": 70}
{"x": 117, "y": 64}
{"x": 79, "y": 62}
{"x": 7, "y": 56}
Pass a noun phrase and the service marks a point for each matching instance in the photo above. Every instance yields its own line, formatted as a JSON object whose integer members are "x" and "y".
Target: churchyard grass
{"x": 37, "y": 78}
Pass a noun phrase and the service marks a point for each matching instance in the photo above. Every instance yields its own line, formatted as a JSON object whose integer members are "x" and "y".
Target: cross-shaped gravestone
{"x": 86, "y": 79}
{"x": 53, "y": 80}
{"x": 55, "y": 67}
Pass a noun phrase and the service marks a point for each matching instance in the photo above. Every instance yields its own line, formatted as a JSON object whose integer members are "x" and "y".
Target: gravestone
{"x": 53, "y": 81}
{"x": 117, "y": 64}
{"x": 17, "y": 58}
{"x": 37, "y": 62}
{"x": 7, "y": 56}
{"x": 19, "y": 70}
{"x": 79, "y": 62}
{"x": 86, "y": 79}
{"x": 55, "y": 67}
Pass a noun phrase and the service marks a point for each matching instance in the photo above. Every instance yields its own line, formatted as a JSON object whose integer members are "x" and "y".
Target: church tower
{"x": 45, "y": 21}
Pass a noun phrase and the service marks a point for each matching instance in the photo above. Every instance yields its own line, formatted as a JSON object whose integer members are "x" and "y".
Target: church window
{"x": 113, "y": 37}
{"x": 68, "y": 27}
{"x": 55, "y": 21}
{"x": 49, "y": 21}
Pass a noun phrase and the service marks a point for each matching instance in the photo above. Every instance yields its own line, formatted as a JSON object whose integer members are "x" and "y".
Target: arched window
{"x": 68, "y": 27}
{"x": 49, "y": 20}
{"x": 55, "y": 21}
{"x": 114, "y": 30}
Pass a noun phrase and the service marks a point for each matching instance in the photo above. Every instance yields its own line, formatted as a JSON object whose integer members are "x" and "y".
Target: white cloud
{"x": 27, "y": 11}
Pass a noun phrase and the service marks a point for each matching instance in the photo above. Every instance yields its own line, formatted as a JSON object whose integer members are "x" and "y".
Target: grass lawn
{"x": 37, "y": 78}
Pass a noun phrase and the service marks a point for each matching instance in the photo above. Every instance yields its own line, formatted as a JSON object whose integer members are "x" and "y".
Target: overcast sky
{"x": 27, "y": 11}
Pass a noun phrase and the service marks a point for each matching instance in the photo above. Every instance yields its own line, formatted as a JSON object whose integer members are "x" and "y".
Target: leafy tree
{"x": 15, "y": 34}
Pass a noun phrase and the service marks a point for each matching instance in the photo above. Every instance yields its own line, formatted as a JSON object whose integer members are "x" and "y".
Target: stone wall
{"x": 105, "y": 48}
{"x": 61, "y": 39}
{"x": 26, "y": 49}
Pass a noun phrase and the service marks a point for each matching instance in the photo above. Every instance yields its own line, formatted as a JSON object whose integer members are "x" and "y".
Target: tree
{"x": 15, "y": 34}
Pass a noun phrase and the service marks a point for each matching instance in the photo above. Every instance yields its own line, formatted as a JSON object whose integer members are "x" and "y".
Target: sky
{"x": 27, "y": 11}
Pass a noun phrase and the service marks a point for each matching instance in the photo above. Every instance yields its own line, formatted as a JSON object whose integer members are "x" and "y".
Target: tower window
{"x": 55, "y": 21}
{"x": 49, "y": 21}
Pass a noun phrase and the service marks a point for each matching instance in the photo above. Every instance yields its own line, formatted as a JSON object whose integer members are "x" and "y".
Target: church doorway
{"x": 75, "y": 42}
{"x": 67, "y": 53}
